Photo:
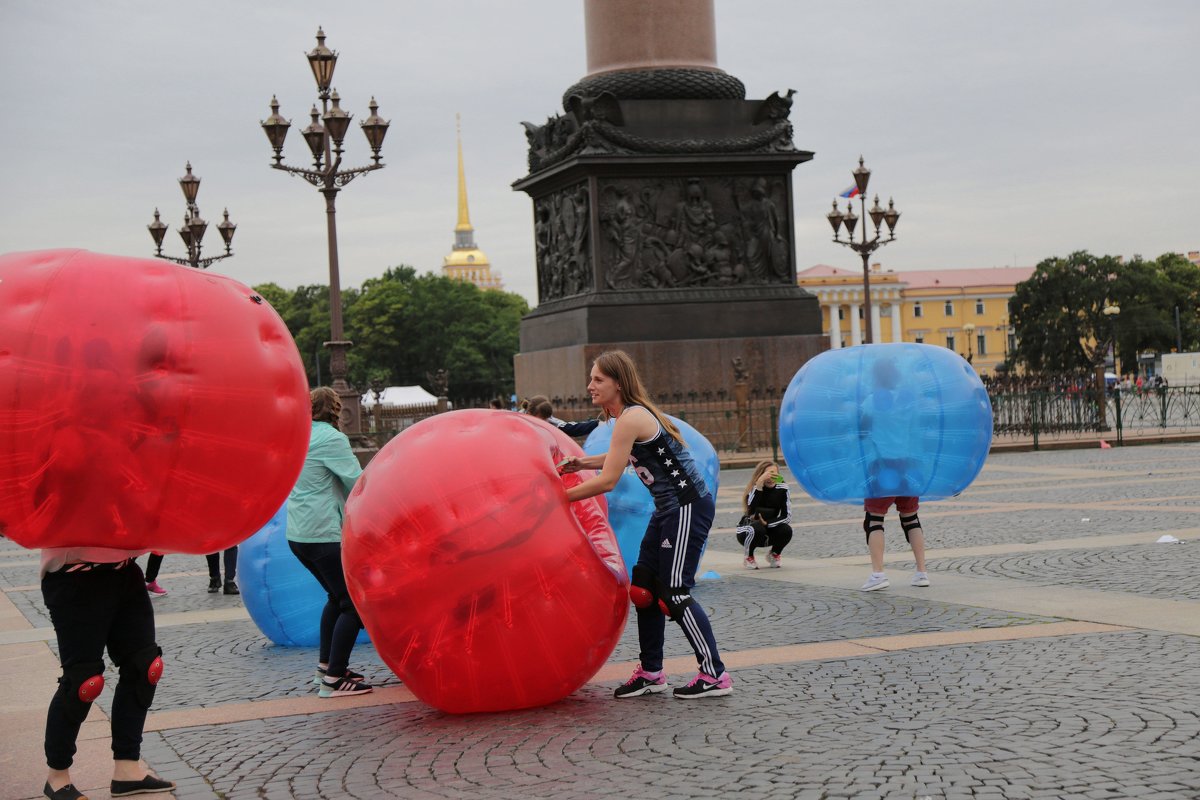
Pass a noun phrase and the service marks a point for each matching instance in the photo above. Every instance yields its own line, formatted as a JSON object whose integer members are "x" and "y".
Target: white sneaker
{"x": 875, "y": 582}
{"x": 749, "y": 563}
{"x": 920, "y": 579}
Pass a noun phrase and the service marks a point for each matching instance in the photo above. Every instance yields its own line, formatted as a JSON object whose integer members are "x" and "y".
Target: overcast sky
{"x": 1008, "y": 131}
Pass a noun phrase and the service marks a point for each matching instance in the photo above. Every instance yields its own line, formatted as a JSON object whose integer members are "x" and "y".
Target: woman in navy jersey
{"x": 645, "y": 439}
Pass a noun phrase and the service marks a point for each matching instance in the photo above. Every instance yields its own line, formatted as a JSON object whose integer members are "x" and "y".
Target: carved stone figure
{"x": 439, "y": 382}
{"x": 766, "y": 247}
{"x": 740, "y": 373}
{"x": 561, "y": 223}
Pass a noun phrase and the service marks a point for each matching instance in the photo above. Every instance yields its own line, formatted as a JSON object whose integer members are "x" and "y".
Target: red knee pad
{"x": 154, "y": 671}
{"x": 640, "y": 597}
{"x": 91, "y": 688}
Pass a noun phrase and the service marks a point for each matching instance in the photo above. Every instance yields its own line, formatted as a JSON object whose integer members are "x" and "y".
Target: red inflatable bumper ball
{"x": 143, "y": 405}
{"x": 481, "y": 586}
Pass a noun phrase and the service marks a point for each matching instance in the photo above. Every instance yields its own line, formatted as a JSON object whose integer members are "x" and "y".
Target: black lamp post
{"x": 325, "y": 142}
{"x": 865, "y": 247}
{"x": 193, "y": 228}
{"x": 1113, "y": 311}
{"x": 969, "y": 330}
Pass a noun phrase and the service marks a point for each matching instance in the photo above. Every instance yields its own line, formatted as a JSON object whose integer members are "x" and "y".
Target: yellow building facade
{"x": 965, "y": 310}
{"x": 466, "y": 261}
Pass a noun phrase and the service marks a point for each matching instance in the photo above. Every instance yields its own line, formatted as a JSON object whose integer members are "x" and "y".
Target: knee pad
{"x": 909, "y": 523}
{"x": 872, "y": 522}
{"x": 643, "y": 587}
{"x": 675, "y": 601}
{"x": 78, "y": 688}
{"x": 144, "y": 670}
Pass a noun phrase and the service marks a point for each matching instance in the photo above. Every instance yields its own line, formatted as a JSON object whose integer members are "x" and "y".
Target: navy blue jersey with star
{"x": 667, "y": 469}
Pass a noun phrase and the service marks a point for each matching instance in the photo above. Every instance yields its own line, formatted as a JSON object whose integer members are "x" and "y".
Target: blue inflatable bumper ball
{"x": 630, "y": 503}
{"x": 885, "y": 420}
{"x": 282, "y": 597}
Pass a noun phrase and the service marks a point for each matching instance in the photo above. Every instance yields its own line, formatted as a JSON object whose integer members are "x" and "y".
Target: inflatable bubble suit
{"x": 143, "y": 405}
{"x": 884, "y": 420}
{"x": 281, "y": 595}
{"x": 630, "y": 504}
{"x": 482, "y": 587}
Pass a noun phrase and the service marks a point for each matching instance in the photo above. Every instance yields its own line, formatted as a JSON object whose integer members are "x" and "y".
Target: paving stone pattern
{"x": 1169, "y": 571}
{"x": 1079, "y": 718}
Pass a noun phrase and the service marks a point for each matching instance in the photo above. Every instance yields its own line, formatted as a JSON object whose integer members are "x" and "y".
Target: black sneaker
{"x": 321, "y": 673}
{"x": 146, "y": 785}
{"x": 214, "y": 585}
{"x": 706, "y": 686}
{"x": 640, "y": 683}
{"x": 342, "y": 687}
{"x": 231, "y": 588}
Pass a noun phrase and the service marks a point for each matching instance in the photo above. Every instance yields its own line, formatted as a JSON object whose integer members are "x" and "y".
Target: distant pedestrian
{"x": 540, "y": 407}
{"x": 766, "y": 515}
{"x": 214, "y": 572}
{"x": 153, "y": 565}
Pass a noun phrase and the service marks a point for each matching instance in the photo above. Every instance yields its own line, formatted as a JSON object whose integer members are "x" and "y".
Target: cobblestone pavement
{"x": 1076, "y": 716}
{"x": 1061, "y": 718}
{"x": 1155, "y": 570}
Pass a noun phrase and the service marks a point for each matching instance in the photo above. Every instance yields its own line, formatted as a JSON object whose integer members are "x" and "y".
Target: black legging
{"x": 777, "y": 536}
{"x": 340, "y": 622}
{"x": 91, "y": 611}
{"x": 214, "y": 565}
{"x": 153, "y": 565}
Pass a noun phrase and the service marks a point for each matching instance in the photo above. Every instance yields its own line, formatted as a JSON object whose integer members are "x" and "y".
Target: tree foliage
{"x": 407, "y": 326}
{"x": 1058, "y": 314}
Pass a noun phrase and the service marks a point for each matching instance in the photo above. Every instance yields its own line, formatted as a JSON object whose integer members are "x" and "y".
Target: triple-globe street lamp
{"x": 325, "y": 142}
{"x": 193, "y": 228}
{"x": 969, "y": 330}
{"x": 865, "y": 247}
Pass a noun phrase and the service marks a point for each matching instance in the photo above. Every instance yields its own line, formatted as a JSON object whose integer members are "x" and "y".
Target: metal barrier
{"x": 748, "y": 421}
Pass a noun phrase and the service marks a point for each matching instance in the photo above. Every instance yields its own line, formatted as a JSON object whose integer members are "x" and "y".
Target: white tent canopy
{"x": 400, "y": 396}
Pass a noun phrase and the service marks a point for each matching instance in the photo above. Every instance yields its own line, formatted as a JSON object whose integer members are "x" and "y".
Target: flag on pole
{"x": 851, "y": 192}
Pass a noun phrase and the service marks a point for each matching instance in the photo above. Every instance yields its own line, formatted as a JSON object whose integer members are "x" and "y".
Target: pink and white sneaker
{"x": 642, "y": 682}
{"x": 706, "y": 686}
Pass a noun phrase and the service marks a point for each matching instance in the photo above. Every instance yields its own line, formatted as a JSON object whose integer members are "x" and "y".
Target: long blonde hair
{"x": 617, "y": 365}
{"x": 759, "y": 469}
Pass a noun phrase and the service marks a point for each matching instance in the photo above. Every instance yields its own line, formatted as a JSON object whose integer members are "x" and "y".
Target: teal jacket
{"x": 315, "y": 507}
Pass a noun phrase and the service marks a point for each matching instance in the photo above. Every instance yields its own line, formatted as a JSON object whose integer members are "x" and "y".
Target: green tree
{"x": 407, "y": 326}
{"x": 413, "y": 325}
{"x": 1059, "y": 312}
{"x": 305, "y": 311}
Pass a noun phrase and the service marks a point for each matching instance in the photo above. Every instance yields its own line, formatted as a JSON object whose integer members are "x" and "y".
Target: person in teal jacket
{"x": 315, "y": 509}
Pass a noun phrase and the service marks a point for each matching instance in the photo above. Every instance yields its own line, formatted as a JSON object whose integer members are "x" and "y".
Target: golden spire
{"x": 464, "y": 216}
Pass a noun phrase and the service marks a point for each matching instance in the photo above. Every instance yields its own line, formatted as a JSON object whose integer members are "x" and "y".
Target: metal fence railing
{"x": 747, "y": 421}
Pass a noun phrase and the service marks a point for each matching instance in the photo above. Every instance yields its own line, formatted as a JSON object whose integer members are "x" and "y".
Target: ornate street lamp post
{"x": 325, "y": 142}
{"x": 969, "y": 330}
{"x": 865, "y": 247}
{"x": 1004, "y": 333}
{"x": 1113, "y": 311}
{"x": 193, "y": 228}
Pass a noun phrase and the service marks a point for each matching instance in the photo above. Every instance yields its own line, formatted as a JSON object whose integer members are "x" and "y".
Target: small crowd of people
{"x": 99, "y": 598}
